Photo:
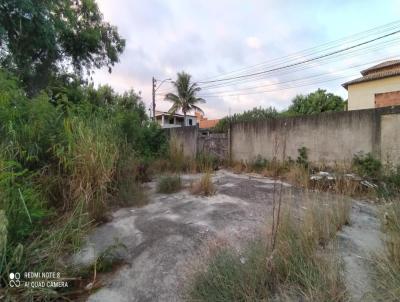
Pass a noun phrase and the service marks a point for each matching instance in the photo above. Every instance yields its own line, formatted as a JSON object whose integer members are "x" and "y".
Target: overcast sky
{"x": 207, "y": 38}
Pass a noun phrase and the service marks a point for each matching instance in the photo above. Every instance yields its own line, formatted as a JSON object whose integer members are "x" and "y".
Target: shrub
{"x": 259, "y": 164}
{"x": 302, "y": 158}
{"x": 204, "y": 186}
{"x": 390, "y": 185}
{"x": 169, "y": 184}
{"x": 366, "y": 165}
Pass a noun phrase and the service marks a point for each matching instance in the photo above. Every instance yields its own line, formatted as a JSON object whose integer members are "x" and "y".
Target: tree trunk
{"x": 184, "y": 119}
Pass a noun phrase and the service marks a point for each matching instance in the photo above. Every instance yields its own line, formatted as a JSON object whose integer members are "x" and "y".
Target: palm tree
{"x": 186, "y": 98}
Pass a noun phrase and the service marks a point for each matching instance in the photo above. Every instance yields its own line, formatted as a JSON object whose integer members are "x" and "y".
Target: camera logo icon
{"x": 14, "y": 280}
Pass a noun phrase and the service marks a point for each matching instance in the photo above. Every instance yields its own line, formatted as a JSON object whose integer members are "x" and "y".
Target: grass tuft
{"x": 387, "y": 265}
{"x": 204, "y": 186}
{"x": 169, "y": 184}
{"x": 298, "y": 268}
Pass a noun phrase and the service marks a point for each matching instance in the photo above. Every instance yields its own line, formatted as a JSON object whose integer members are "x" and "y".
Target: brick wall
{"x": 387, "y": 99}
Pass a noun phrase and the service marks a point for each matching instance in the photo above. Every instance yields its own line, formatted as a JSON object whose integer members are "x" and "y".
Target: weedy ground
{"x": 301, "y": 264}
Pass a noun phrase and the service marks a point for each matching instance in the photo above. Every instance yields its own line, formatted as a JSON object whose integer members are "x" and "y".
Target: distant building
{"x": 167, "y": 120}
{"x": 205, "y": 123}
{"x": 379, "y": 86}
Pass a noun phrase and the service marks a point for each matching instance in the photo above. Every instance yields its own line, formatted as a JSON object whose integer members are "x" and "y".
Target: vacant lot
{"x": 164, "y": 239}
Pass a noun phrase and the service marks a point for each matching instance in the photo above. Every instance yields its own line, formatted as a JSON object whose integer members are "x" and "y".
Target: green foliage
{"x": 389, "y": 186}
{"x": 185, "y": 98}
{"x": 366, "y": 165}
{"x": 41, "y": 39}
{"x": 315, "y": 102}
{"x": 21, "y": 201}
{"x": 256, "y": 114}
{"x": 302, "y": 158}
{"x": 259, "y": 164}
{"x": 169, "y": 184}
{"x": 62, "y": 164}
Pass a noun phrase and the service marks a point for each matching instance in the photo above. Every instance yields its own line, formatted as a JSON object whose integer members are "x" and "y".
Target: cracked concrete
{"x": 357, "y": 243}
{"x": 161, "y": 237}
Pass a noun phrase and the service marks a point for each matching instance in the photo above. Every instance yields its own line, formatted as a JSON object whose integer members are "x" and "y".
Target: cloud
{"x": 212, "y": 39}
{"x": 253, "y": 42}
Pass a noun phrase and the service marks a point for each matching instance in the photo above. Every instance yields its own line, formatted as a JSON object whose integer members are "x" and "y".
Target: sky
{"x": 210, "y": 38}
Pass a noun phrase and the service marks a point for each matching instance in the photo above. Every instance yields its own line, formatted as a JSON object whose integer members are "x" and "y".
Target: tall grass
{"x": 93, "y": 154}
{"x": 177, "y": 162}
{"x": 204, "y": 186}
{"x": 169, "y": 184}
{"x": 386, "y": 266}
{"x": 61, "y": 170}
{"x": 297, "y": 267}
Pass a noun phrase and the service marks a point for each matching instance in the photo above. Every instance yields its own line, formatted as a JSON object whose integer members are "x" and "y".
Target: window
{"x": 190, "y": 122}
{"x": 171, "y": 120}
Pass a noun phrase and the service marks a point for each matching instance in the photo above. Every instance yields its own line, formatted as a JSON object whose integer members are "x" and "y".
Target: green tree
{"x": 41, "y": 39}
{"x": 185, "y": 98}
{"x": 316, "y": 102}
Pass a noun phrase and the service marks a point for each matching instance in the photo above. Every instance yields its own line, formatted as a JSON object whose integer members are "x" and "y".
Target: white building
{"x": 167, "y": 120}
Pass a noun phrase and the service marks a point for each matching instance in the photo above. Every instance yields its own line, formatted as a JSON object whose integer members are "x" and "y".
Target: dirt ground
{"x": 160, "y": 238}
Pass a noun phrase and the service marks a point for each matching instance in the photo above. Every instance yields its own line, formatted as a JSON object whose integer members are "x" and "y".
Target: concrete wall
{"x": 390, "y": 138}
{"x": 362, "y": 95}
{"x": 329, "y": 137}
{"x": 185, "y": 138}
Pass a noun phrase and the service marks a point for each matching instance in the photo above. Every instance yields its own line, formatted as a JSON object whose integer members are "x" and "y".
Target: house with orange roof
{"x": 205, "y": 123}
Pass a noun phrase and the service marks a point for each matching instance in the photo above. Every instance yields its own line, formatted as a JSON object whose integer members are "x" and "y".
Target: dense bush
{"x": 366, "y": 165}
{"x": 62, "y": 164}
{"x": 315, "y": 102}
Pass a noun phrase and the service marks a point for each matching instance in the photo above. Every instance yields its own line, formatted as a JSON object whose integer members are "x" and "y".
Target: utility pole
{"x": 154, "y": 81}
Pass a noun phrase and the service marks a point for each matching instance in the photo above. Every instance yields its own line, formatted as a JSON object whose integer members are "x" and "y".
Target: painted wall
{"x": 362, "y": 95}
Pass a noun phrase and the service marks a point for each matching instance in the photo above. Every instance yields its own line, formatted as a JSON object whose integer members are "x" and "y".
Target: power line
{"x": 356, "y": 53}
{"x": 300, "y": 79}
{"x": 304, "y": 61}
{"x": 279, "y": 89}
{"x": 224, "y": 93}
{"x": 313, "y": 50}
